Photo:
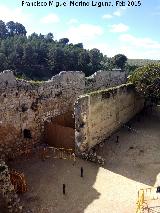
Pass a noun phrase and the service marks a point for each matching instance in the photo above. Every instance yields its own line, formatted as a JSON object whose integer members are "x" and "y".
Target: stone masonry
{"x": 98, "y": 114}
{"x": 25, "y": 106}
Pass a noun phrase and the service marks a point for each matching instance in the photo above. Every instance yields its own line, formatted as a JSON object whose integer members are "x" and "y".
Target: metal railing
{"x": 59, "y": 153}
{"x": 144, "y": 197}
{"x": 140, "y": 202}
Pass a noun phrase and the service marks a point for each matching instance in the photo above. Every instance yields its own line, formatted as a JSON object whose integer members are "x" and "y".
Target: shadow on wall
{"x": 60, "y": 131}
{"x": 136, "y": 153}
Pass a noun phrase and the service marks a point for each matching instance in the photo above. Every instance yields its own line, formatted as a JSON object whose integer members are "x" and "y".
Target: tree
{"x": 39, "y": 56}
{"x": 33, "y": 36}
{"x": 63, "y": 41}
{"x": 129, "y": 69}
{"x": 15, "y": 29}
{"x": 20, "y": 29}
{"x": 79, "y": 45}
{"x": 3, "y": 62}
{"x": 28, "y": 55}
{"x": 119, "y": 61}
{"x": 95, "y": 60}
{"x": 71, "y": 58}
{"x": 107, "y": 63}
{"x": 49, "y": 37}
{"x": 55, "y": 59}
{"x": 147, "y": 81}
{"x": 3, "y": 30}
{"x": 11, "y": 28}
{"x": 83, "y": 60}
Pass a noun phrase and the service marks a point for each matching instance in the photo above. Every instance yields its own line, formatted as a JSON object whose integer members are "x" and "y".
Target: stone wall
{"x": 26, "y": 106}
{"x": 99, "y": 114}
{"x": 105, "y": 79}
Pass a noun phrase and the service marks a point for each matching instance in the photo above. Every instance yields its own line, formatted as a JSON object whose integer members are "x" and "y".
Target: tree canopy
{"x": 119, "y": 61}
{"x": 147, "y": 81}
{"x": 40, "y": 56}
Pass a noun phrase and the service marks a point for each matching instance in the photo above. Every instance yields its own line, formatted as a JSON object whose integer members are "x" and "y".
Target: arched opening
{"x": 60, "y": 131}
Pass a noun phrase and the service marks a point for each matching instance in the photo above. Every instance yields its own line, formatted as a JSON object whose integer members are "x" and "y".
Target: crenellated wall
{"x": 98, "y": 114}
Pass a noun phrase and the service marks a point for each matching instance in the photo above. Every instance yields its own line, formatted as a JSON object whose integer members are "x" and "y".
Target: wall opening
{"x": 60, "y": 132}
{"x": 27, "y": 133}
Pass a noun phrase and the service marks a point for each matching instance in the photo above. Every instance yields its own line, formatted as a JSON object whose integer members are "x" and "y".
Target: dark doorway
{"x": 60, "y": 131}
{"x": 27, "y": 133}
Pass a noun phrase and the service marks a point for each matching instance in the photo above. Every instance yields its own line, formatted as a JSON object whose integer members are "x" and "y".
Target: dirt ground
{"x": 131, "y": 164}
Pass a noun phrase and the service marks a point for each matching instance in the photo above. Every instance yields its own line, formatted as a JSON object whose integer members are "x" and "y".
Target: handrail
{"x": 145, "y": 195}
{"x": 140, "y": 201}
{"x": 60, "y": 153}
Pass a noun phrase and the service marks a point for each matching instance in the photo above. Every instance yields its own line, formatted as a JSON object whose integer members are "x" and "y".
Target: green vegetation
{"x": 110, "y": 90}
{"x": 39, "y": 57}
{"x": 35, "y": 82}
{"x": 147, "y": 81}
{"x": 119, "y": 61}
{"x": 141, "y": 62}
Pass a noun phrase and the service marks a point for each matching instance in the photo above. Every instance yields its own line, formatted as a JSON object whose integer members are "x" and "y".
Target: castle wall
{"x": 98, "y": 114}
{"x": 104, "y": 79}
{"x": 27, "y": 106}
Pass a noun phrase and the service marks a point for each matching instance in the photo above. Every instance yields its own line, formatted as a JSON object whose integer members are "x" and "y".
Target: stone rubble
{"x": 12, "y": 201}
{"x": 93, "y": 157}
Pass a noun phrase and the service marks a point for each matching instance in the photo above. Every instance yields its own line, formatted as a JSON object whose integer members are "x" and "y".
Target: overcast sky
{"x": 133, "y": 31}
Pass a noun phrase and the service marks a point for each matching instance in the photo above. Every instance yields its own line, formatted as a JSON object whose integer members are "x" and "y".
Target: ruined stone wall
{"x": 25, "y": 106}
{"x": 99, "y": 114}
{"x": 105, "y": 79}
